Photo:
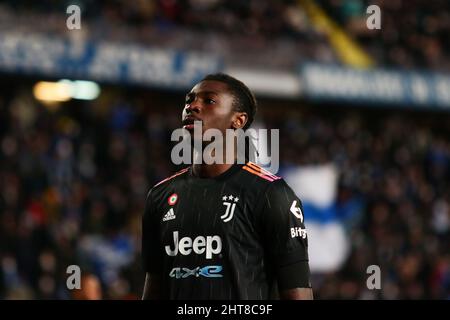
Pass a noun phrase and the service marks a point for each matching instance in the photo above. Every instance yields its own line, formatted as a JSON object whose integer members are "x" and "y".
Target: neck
{"x": 210, "y": 170}
{"x": 204, "y": 170}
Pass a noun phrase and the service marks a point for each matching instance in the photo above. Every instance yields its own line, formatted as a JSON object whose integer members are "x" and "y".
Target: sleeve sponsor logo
{"x": 296, "y": 211}
{"x": 298, "y": 232}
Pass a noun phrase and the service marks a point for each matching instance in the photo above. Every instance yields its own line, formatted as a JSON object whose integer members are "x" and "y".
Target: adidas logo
{"x": 170, "y": 215}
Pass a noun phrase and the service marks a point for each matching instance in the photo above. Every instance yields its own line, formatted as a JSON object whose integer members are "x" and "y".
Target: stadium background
{"x": 372, "y": 104}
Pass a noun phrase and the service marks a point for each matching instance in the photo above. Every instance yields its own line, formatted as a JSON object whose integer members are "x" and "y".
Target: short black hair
{"x": 244, "y": 100}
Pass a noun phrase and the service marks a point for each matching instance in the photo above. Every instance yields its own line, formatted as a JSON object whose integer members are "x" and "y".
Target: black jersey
{"x": 229, "y": 237}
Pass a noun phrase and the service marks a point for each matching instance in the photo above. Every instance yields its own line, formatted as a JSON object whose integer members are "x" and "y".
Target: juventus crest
{"x": 230, "y": 204}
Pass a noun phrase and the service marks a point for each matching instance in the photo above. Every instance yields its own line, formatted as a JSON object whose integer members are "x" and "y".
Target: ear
{"x": 239, "y": 120}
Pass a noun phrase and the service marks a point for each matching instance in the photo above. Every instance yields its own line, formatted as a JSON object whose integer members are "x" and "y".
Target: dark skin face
{"x": 211, "y": 102}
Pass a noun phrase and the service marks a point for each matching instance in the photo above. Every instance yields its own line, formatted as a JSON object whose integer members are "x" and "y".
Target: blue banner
{"x": 43, "y": 55}
{"x": 375, "y": 86}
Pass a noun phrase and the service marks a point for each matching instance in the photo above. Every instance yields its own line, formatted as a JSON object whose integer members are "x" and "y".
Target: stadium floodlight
{"x": 85, "y": 90}
{"x": 65, "y": 89}
{"x": 52, "y": 91}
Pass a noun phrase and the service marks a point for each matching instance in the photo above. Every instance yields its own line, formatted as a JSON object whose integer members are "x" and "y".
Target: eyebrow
{"x": 190, "y": 94}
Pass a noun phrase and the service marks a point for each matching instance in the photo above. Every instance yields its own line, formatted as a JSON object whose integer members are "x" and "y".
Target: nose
{"x": 192, "y": 107}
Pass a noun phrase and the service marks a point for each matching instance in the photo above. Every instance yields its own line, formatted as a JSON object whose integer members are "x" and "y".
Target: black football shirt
{"x": 233, "y": 236}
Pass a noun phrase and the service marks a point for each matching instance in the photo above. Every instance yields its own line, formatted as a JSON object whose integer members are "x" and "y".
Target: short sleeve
{"x": 285, "y": 236}
{"x": 151, "y": 246}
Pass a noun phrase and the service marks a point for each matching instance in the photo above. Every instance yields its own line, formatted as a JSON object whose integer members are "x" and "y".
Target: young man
{"x": 224, "y": 231}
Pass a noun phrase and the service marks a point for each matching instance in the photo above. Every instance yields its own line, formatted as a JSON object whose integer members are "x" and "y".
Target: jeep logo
{"x": 200, "y": 245}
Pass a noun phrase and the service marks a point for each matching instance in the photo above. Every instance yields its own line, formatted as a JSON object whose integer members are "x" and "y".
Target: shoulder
{"x": 171, "y": 178}
{"x": 161, "y": 185}
{"x": 259, "y": 174}
{"x": 263, "y": 182}
{"x": 262, "y": 179}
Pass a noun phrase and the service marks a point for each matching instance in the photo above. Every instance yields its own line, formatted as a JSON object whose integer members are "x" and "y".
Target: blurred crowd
{"x": 268, "y": 18}
{"x": 74, "y": 178}
{"x": 276, "y": 34}
{"x": 414, "y": 33}
{"x": 72, "y": 191}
